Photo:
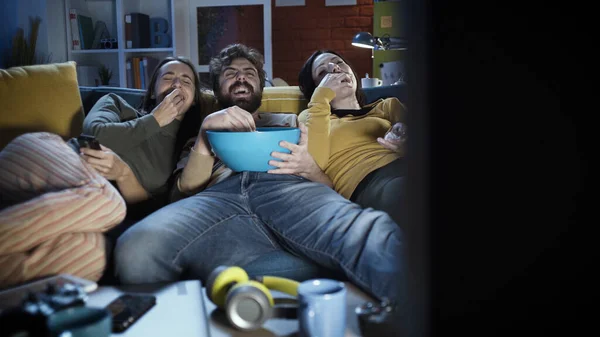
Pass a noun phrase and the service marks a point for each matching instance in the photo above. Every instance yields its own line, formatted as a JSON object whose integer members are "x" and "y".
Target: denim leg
{"x": 191, "y": 237}
{"x": 314, "y": 221}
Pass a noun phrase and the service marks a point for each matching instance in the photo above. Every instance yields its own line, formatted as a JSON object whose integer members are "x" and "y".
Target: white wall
{"x": 182, "y": 28}
{"x": 55, "y": 25}
{"x": 51, "y": 38}
{"x": 8, "y": 27}
{"x": 33, "y": 8}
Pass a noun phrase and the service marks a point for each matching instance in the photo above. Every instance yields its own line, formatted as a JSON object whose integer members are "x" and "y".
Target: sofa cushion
{"x": 40, "y": 98}
{"x": 90, "y": 95}
{"x": 374, "y": 93}
{"x": 283, "y": 99}
{"x": 275, "y": 99}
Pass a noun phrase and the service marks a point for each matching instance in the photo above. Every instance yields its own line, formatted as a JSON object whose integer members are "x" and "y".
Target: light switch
{"x": 386, "y": 22}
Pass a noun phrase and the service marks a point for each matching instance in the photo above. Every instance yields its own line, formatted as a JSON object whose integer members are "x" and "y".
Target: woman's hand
{"x": 299, "y": 162}
{"x": 395, "y": 138}
{"x": 335, "y": 81}
{"x": 106, "y": 162}
{"x": 169, "y": 108}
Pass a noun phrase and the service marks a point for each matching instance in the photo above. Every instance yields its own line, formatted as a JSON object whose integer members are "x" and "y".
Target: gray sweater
{"x": 138, "y": 139}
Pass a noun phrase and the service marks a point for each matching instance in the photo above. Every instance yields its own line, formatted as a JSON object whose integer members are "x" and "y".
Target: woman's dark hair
{"x": 307, "y": 83}
{"x": 190, "y": 125}
{"x": 230, "y": 53}
{"x": 149, "y": 102}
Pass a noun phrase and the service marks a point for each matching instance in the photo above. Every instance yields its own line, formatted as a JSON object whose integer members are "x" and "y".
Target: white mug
{"x": 370, "y": 82}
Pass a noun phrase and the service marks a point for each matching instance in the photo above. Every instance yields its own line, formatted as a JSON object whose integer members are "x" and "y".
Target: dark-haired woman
{"x": 140, "y": 147}
{"x": 360, "y": 147}
{"x": 58, "y": 207}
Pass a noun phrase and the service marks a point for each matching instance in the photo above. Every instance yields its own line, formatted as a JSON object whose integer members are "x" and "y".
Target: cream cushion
{"x": 283, "y": 99}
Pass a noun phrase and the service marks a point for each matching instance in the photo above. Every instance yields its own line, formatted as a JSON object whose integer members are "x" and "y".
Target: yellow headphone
{"x": 248, "y": 303}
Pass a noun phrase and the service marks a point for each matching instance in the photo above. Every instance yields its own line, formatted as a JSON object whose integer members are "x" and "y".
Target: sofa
{"x": 276, "y": 99}
{"x": 48, "y": 98}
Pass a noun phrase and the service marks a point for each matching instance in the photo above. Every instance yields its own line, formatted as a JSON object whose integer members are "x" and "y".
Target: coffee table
{"x": 179, "y": 314}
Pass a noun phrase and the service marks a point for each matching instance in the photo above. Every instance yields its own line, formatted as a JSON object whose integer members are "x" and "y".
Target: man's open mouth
{"x": 241, "y": 91}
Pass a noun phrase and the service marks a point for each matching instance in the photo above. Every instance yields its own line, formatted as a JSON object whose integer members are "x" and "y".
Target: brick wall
{"x": 298, "y": 31}
{"x": 250, "y": 30}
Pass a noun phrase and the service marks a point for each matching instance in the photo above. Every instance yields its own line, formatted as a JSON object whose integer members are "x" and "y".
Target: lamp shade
{"x": 364, "y": 40}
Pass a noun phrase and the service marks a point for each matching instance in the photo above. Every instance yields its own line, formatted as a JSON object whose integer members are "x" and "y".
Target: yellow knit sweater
{"x": 346, "y": 148}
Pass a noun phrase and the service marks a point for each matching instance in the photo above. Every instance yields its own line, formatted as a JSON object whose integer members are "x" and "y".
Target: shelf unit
{"x": 113, "y": 12}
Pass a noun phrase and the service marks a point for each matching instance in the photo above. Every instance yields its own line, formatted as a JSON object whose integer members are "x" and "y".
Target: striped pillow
{"x": 55, "y": 208}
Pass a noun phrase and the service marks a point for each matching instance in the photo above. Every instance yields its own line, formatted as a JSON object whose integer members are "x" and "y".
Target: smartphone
{"x": 88, "y": 141}
{"x": 128, "y": 308}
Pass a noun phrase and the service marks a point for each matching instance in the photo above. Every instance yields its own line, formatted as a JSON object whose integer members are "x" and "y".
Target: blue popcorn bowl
{"x": 251, "y": 151}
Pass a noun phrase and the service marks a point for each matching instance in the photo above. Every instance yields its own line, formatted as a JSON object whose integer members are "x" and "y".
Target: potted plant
{"x": 105, "y": 74}
{"x": 23, "y": 50}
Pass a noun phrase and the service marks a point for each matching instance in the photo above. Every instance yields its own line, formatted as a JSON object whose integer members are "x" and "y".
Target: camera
{"x": 110, "y": 43}
{"x": 33, "y": 313}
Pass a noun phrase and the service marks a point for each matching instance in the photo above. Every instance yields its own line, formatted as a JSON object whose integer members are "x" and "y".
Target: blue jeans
{"x": 251, "y": 214}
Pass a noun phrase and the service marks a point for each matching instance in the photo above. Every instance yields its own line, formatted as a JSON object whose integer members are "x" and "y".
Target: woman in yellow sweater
{"x": 360, "y": 147}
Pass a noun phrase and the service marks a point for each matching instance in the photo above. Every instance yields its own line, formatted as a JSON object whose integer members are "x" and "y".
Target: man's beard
{"x": 250, "y": 104}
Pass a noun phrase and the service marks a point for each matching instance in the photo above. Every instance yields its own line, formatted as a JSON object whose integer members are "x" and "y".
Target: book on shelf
{"x": 149, "y": 64}
{"x": 142, "y": 72}
{"x": 135, "y": 62}
{"x": 129, "y": 74}
{"x": 75, "y": 39}
{"x": 86, "y": 31}
{"x": 139, "y": 71}
{"x": 137, "y": 30}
